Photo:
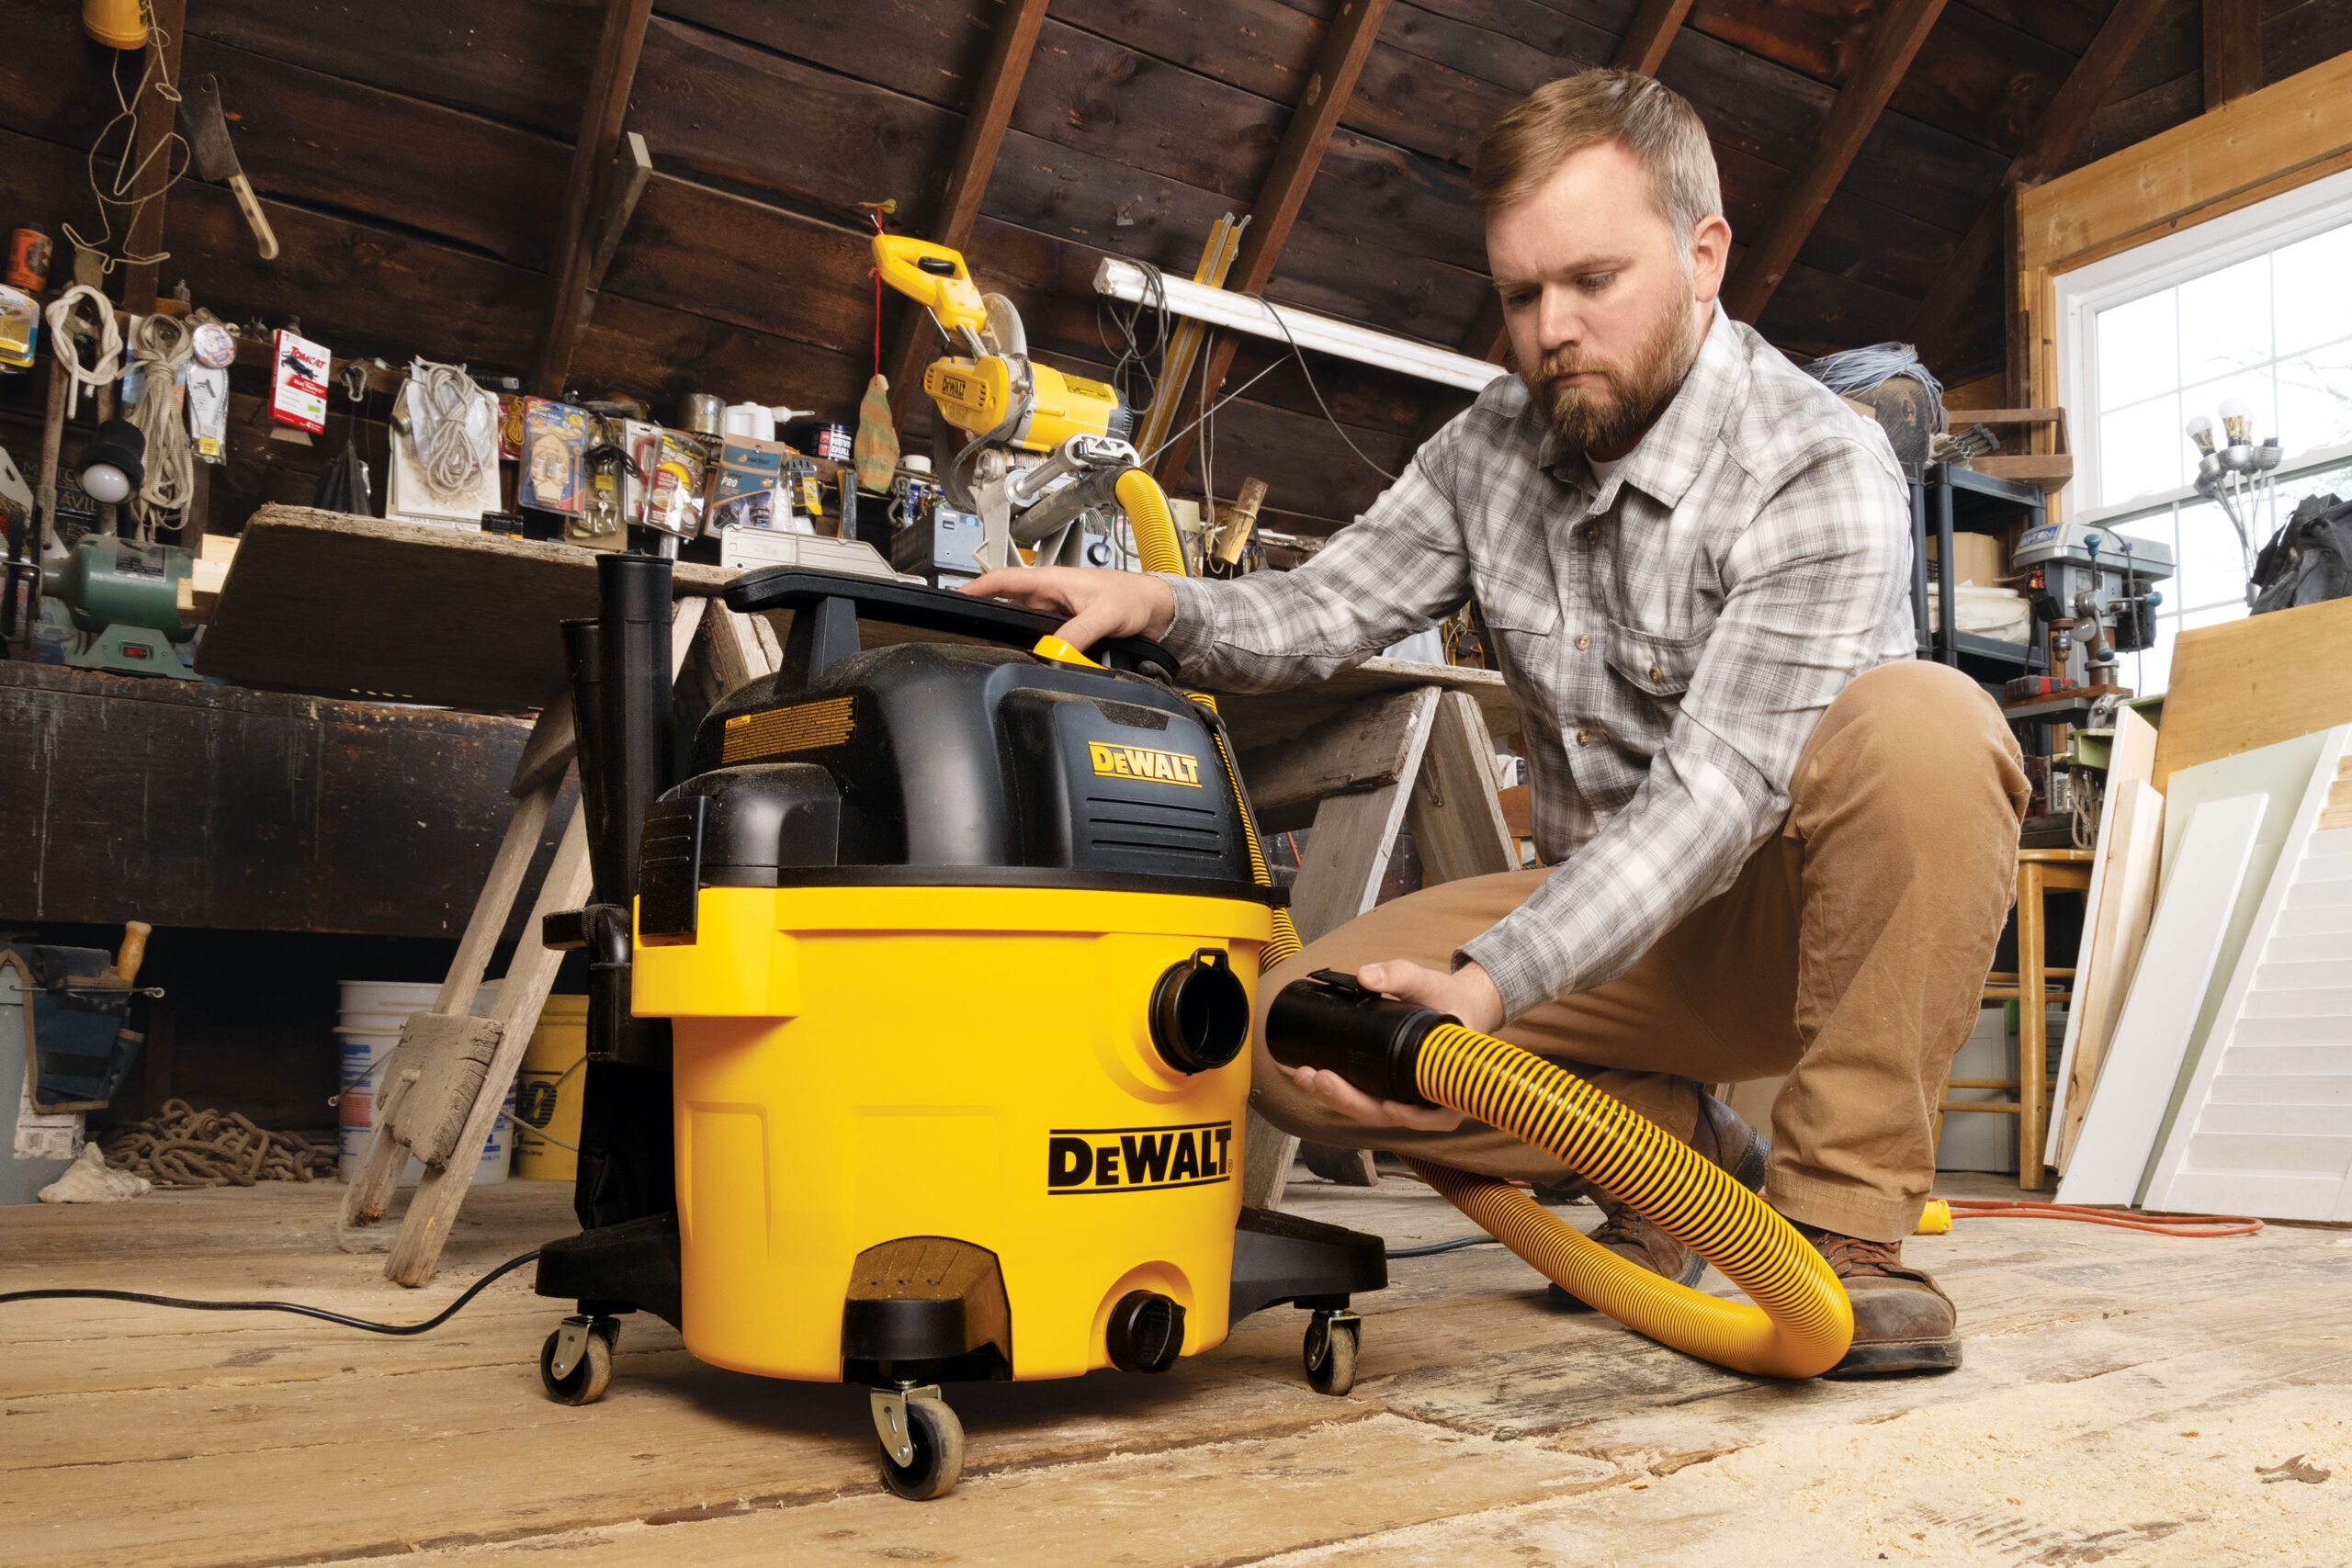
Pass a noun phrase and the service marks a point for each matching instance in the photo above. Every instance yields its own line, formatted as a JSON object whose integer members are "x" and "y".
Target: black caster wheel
{"x": 592, "y": 1362}
{"x": 928, "y": 1459}
{"x": 1329, "y": 1352}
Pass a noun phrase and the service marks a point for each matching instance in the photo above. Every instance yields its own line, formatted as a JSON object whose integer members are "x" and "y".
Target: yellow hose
{"x": 1154, "y": 526}
{"x": 1801, "y": 1323}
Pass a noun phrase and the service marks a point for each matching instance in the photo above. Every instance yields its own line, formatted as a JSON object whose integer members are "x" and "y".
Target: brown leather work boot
{"x": 1903, "y": 1321}
{"x": 1723, "y": 1138}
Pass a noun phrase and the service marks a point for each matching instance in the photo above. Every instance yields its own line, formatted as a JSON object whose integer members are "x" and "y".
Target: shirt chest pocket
{"x": 1660, "y": 667}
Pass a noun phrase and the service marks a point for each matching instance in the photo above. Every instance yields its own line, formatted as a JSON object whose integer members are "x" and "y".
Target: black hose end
{"x": 1200, "y": 1012}
{"x": 1374, "y": 1042}
{"x": 1144, "y": 1333}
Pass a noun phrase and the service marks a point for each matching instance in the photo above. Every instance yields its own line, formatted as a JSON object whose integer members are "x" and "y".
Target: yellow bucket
{"x": 546, "y": 1094}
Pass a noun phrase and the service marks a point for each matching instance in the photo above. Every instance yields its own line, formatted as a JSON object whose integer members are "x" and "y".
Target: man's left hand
{"x": 1466, "y": 992}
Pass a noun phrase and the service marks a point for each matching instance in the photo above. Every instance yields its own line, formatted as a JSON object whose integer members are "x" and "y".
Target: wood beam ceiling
{"x": 2233, "y": 49}
{"x": 1859, "y": 103}
{"x": 2061, "y": 128}
{"x": 1348, "y": 38}
{"x": 1648, "y": 36}
{"x": 1010, "y": 47}
{"x": 618, "y": 45}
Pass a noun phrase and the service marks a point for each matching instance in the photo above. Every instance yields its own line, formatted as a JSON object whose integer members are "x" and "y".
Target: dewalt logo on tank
{"x": 1142, "y": 763}
{"x": 1137, "y": 1159}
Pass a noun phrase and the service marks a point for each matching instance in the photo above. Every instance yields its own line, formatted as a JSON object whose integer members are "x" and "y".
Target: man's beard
{"x": 1607, "y": 417}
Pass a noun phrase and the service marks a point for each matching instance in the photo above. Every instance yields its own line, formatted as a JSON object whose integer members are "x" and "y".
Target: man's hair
{"x": 1654, "y": 123}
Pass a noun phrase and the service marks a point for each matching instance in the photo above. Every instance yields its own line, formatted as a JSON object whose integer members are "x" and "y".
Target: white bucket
{"x": 373, "y": 1014}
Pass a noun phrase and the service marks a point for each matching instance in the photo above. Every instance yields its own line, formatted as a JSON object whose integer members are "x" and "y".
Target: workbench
{"x": 324, "y": 603}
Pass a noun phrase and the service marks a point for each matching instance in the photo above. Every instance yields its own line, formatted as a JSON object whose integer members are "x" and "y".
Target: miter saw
{"x": 1047, "y": 457}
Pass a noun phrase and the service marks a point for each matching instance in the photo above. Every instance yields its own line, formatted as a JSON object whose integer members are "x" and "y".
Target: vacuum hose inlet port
{"x": 1144, "y": 1332}
{"x": 1200, "y": 1012}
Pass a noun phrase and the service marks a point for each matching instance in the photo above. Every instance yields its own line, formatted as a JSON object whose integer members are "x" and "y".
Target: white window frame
{"x": 2163, "y": 262}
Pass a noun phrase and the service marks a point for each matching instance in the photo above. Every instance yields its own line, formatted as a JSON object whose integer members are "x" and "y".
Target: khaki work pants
{"x": 1850, "y": 955}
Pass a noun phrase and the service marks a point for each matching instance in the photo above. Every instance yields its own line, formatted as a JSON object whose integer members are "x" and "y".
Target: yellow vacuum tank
{"x": 974, "y": 1065}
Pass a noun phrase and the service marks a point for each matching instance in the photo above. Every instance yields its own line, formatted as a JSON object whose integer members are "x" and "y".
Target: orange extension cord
{"x": 2159, "y": 1224}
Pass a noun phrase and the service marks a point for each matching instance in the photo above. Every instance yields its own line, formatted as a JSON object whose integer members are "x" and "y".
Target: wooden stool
{"x": 2039, "y": 873}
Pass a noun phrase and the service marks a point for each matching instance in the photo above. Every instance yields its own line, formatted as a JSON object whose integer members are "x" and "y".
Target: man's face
{"x": 1604, "y": 302}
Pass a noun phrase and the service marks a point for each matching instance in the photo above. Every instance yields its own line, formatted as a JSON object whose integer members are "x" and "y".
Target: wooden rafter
{"x": 618, "y": 45}
{"x": 1650, "y": 34}
{"x": 1009, "y": 50}
{"x": 152, "y": 162}
{"x": 1893, "y": 46}
{"x": 2062, "y": 126}
{"x": 2233, "y": 49}
{"x": 1348, "y": 38}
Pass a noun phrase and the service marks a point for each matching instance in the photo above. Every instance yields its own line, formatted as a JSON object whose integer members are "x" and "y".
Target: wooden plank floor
{"x": 2122, "y": 1396}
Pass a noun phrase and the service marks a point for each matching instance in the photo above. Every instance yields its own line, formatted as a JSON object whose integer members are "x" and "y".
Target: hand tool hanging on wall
{"x": 216, "y": 155}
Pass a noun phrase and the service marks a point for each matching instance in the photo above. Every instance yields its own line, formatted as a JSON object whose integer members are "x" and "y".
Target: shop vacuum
{"x": 919, "y": 1009}
{"x": 924, "y": 1056}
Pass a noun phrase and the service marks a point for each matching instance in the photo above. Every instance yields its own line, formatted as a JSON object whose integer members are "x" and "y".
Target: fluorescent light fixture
{"x": 1326, "y": 335}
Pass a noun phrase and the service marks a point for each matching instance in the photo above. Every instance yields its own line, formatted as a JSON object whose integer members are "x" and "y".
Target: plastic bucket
{"x": 546, "y": 1096}
{"x": 368, "y": 1027}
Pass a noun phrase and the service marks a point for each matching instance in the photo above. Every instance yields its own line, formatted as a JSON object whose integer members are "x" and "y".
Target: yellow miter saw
{"x": 1046, "y": 453}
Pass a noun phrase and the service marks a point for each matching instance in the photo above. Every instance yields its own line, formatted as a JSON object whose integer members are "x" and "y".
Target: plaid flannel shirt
{"x": 1672, "y": 636}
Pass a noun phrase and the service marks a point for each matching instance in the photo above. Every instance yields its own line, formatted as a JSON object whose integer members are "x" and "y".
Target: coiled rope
{"x": 182, "y": 1146}
{"x": 447, "y": 453}
{"x": 83, "y": 313}
{"x": 161, "y": 348}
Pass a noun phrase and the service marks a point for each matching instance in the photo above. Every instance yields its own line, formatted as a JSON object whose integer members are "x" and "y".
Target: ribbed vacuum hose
{"x": 1801, "y": 1323}
{"x": 1154, "y": 526}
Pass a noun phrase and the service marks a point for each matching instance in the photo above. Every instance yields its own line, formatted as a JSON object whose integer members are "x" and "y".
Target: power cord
{"x": 1209, "y": 410}
{"x": 297, "y": 1308}
{"x": 1132, "y": 360}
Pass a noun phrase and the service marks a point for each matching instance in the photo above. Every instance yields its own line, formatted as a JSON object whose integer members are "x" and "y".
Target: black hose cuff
{"x": 1327, "y": 1020}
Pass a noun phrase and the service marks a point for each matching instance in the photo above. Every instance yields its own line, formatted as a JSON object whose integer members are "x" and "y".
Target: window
{"x": 2254, "y": 306}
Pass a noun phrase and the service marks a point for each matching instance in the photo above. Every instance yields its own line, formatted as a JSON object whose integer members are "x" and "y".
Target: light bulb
{"x": 108, "y": 485}
{"x": 2238, "y": 420}
{"x": 2201, "y": 431}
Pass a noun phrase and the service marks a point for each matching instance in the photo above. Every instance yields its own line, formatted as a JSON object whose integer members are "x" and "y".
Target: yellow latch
{"x": 1054, "y": 648}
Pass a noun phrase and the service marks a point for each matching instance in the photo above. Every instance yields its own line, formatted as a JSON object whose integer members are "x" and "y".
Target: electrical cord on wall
{"x": 297, "y": 1308}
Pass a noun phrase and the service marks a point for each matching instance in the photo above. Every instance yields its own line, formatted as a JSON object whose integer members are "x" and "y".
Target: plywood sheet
{"x": 2255, "y": 683}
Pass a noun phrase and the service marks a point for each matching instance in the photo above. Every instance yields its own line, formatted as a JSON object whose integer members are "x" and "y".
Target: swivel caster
{"x": 576, "y": 1362}
{"x": 1329, "y": 1352}
{"x": 923, "y": 1442}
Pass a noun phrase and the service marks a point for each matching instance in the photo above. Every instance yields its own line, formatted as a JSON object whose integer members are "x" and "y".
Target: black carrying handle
{"x": 931, "y": 609}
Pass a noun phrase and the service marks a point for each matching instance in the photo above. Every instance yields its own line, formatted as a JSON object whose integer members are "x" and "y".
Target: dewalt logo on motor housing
{"x": 1142, "y": 763}
{"x": 1137, "y": 1159}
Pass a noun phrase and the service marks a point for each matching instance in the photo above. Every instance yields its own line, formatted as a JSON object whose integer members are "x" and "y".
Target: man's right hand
{"x": 1100, "y": 603}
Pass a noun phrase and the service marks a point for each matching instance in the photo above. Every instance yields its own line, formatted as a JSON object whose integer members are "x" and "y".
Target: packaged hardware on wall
{"x": 555, "y": 442}
{"x": 19, "y": 328}
{"x": 445, "y": 449}
{"x": 673, "y": 500}
{"x": 298, "y": 383}
{"x": 208, "y": 412}
{"x": 642, "y": 442}
{"x": 749, "y": 492}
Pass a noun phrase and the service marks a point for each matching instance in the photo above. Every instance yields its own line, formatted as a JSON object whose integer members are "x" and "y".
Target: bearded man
{"x": 1774, "y": 842}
